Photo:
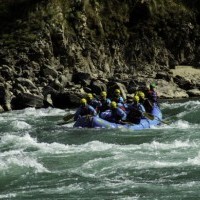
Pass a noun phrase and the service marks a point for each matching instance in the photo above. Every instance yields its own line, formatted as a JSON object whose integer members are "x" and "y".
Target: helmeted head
{"x": 152, "y": 85}
{"x": 103, "y": 94}
{"x": 141, "y": 95}
{"x": 117, "y": 92}
{"x": 113, "y": 105}
{"x": 136, "y": 99}
{"x": 83, "y": 101}
{"x": 89, "y": 96}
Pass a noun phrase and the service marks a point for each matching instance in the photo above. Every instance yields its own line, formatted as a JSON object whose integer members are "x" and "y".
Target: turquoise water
{"x": 42, "y": 160}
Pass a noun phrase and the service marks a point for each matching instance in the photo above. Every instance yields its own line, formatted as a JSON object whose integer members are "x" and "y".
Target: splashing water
{"x": 42, "y": 160}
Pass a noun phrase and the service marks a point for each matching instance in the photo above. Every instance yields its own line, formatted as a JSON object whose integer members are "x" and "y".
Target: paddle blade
{"x": 165, "y": 122}
{"x": 66, "y": 122}
{"x": 68, "y": 117}
{"x": 148, "y": 116}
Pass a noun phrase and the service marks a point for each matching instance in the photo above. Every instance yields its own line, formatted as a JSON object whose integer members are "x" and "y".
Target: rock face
{"x": 53, "y": 51}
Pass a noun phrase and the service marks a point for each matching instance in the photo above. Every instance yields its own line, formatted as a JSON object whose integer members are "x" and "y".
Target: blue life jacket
{"x": 135, "y": 113}
{"x": 117, "y": 114}
{"x": 94, "y": 103}
{"x": 105, "y": 105}
{"x": 118, "y": 99}
{"x": 85, "y": 110}
{"x": 152, "y": 96}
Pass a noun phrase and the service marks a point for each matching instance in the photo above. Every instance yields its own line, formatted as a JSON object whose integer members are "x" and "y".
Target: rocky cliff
{"x": 52, "y": 51}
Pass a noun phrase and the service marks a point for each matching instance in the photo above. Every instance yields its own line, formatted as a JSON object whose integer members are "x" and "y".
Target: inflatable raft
{"x": 97, "y": 122}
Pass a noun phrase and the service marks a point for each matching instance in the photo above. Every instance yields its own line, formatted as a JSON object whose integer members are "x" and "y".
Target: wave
{"x": 187, "y": 112}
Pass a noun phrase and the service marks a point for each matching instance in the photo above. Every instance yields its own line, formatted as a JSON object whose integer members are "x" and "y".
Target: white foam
{"x": 186, "y": 104}
{"x": 177, "y": 144}
{"x": 195, "y": 160}
{"x": 17, "y": 141}
{"x": 20, "y": 125}
{"x": 20, "y": 159}
{"x": 7, "y": 196}
{"x": 181, "y": 124}
{"x": 34, "y": 113}
{"x": 97, "y": 146}
{"x": 47, "y": 112}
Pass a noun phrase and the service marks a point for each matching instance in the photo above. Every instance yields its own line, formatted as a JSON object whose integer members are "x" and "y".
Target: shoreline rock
{"x": 27, "y": 94}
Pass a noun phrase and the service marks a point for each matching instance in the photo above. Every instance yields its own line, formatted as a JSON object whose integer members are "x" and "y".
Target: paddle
{"x": 67, "y": 119}
{"x": 148, "y": 115}
{"x": 152, "y": 117}
{"x": 165, "y": 122}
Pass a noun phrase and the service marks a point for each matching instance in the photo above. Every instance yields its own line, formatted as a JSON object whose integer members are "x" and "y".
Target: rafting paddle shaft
{"x": 67, "y": 119}
{"x": 148, "y": 115}
{"x": 152, "y": 117}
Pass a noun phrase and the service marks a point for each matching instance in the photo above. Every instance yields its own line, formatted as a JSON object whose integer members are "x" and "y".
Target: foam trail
{"x": 8, "y": 196}
{"x": 20, "y": 125}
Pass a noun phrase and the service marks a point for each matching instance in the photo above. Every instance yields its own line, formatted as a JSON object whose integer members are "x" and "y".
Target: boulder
{"x": 183, "y": 83}
{"x": 170, "y": 90}
{"x": 193, "y": 92}
{"x": 164, "y": 76}
{"x": 97, "y": 86}
{"x": 116, "y": 85}
{"x": 80, "y": 77}
{"x": 66, "y": 99}
{"x": 5, "y": 97}
{"x": 26, "y": 82}
{"x": 50, "y": 71}
{"x": 24, "y": 100}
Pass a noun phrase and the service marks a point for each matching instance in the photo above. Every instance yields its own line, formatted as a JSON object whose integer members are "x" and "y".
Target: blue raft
{"x": 97, "y": 122}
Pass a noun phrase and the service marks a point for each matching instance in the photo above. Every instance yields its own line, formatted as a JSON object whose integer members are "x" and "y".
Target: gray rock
{"x": 24, "y": 100}
{"x": 98, "y": 86}
{"x": 26, "y": 82}
{"x": 170, "y": 90}
{"x": 193, "y": 92}
{"x": 50, "y": 71}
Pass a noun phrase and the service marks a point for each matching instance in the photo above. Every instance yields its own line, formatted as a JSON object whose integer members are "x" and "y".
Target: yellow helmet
{"x": 104, "y": 94}
{"x": 83, "y": 101}
{"x": 89, "y": 96}
{"x": 141, "y": 94}
{"x": 136, "y": 98}
{"x": 117, "y": 91}
{"x": 113, "y": 104}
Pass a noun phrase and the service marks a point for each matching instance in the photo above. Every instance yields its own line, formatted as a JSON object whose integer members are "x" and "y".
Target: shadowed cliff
{"x": 49, "y": 41}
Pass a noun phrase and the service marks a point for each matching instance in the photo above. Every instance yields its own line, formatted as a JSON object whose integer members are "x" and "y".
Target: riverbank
{"x": 188, "y": 72}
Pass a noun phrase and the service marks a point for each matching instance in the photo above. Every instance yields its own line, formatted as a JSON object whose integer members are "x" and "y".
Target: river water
{"x": 42, "y": 160}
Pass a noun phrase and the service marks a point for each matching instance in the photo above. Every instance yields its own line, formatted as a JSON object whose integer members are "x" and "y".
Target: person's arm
{"x": 141, "y": 108}
{"x": 92, "y": 111}
{"x": 108, "y": 102}
{"x": 122, "y": 114}
{"x": 77, "y": 114}
{"x": 121, "y": 100}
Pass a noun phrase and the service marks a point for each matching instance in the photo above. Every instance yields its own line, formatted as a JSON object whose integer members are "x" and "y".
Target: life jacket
{"x": 121, "y": 106}
{"x": 135, "y": 114}
{"x": 94, "y": 103}
{"x": 115, "y": 116}
{"x": 152, "y": 96}
{"x": 105, "y": 105}
{"x": 118, "y": 99}
{"x": 147, "y": 105}
{"x": 118, "y": 114}
{"x": 85, "y": 110}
